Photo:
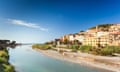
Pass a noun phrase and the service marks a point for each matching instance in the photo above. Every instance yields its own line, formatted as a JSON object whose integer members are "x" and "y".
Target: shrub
{"x": 8, "y": 68}
{"x": 4, "y": 64}
{"x": 41, "y": 46}
{"x": 107, "y": 51}
{"x": 74, "y": 47}
{"x": 3, "y": 60}
{"x": 95, "y": 51}
{"x": 116, "y": 49}
{"x": 3, "y": 56}
{"x": 85, "y": 48}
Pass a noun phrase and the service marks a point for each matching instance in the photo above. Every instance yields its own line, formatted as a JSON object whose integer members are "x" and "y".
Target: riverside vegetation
{"x": 4, "y": 64}
{"x": 105, "y": 51}
{"x": 42, "y": 46}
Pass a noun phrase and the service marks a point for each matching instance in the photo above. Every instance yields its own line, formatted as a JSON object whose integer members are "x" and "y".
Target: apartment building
{"x": 115, "y": 34}
{"x": 114, "y": 28}
{"x": 98, "y": 39}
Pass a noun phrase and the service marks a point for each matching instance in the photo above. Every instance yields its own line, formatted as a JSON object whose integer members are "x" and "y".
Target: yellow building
{"x": 92, "y": 41}
{"x": 97, "y": 39}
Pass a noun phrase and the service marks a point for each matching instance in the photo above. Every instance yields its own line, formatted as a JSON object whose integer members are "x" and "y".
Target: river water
{"x": 25, "y": 59}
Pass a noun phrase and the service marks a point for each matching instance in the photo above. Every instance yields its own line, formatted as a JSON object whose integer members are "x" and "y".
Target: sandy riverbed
{"x": 112, "y": 64}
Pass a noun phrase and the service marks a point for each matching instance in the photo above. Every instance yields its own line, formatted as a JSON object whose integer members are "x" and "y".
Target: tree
{"x": 82, "y": 31}
{"x": 66, "y": 41}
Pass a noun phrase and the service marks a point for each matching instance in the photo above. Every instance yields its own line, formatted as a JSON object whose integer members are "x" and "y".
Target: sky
{"x": 38, "y": 21}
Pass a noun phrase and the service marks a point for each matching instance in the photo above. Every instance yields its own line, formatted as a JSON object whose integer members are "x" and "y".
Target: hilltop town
{"x": 100, "y": 35}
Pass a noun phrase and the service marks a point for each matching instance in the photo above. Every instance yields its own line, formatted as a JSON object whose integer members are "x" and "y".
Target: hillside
{"x": 103, "y": 27}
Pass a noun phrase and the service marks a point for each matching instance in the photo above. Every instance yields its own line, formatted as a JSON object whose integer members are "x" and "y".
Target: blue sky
{"x": 44, "y": 20}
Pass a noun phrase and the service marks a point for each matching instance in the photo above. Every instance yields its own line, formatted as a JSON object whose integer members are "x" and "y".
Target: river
{"x": 25, "y": 59}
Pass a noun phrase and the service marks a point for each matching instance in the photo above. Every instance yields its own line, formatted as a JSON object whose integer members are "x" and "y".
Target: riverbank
{"x": 110, "y": 64}
{"x": 5, "y": 66}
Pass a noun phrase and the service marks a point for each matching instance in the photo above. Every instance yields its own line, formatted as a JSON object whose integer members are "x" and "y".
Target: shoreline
{"x": 82, "y": 59}
{"x": 5, "y": 65}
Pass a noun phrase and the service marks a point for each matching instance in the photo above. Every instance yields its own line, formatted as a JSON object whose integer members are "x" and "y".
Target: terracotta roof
{"x": 115, "y": 33}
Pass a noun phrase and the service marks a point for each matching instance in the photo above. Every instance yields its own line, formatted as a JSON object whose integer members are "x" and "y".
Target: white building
{"x": 101, "y": 33}
{"x": 71, "y": 37}
{"x": 80, "y": 38}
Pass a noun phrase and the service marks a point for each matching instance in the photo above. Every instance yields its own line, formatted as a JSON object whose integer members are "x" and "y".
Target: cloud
{"x": 26, "y": 24}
